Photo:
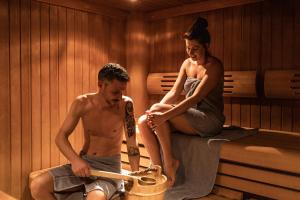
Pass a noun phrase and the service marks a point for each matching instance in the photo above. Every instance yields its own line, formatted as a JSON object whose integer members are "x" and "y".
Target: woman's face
{"x": 195, "y": 50}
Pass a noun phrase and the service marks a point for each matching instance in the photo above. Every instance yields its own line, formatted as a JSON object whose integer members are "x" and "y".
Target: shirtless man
{"x": 104, "y": 116}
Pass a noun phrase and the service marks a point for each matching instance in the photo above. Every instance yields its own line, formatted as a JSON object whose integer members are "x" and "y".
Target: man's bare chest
{"x": 105, "y": 123}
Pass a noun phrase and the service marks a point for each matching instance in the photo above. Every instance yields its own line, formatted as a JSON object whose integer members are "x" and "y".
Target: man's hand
{"x": 80, "y": 168}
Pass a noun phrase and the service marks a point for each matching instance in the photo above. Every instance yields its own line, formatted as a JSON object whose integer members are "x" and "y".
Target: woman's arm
{"x": 177, "y": 88}
{"x": 209, "y": 81}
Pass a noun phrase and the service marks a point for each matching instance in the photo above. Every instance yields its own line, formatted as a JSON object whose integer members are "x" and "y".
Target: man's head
{"x": 112, "y": 81}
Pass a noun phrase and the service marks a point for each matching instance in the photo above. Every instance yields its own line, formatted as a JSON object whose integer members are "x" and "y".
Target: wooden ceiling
{"x": 143, "y": 5}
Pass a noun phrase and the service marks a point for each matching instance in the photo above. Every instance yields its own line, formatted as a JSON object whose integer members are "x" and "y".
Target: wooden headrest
{"x": 282, "y": 84}
{"x": 236, "y": 83}
{"x": 240, "y": 84}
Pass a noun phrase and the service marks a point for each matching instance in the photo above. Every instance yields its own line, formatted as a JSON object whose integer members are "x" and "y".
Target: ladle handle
{"x": 113, "y": 175}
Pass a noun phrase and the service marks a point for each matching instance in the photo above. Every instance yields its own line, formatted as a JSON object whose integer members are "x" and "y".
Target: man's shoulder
{"x": 83, "y": 99}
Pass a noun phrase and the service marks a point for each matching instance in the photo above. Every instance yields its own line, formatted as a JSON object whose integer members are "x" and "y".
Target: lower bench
{"x": 266, "y": 164}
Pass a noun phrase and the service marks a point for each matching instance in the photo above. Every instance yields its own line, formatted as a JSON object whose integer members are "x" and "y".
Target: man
{"x": 104, "y": 116}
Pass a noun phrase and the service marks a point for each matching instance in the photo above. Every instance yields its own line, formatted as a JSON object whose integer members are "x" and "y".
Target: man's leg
{"x": 42, "y": 187}
{"x": 96, "y": 195}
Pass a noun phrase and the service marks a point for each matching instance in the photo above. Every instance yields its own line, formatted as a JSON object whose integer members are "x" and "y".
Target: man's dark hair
{"x": 113, "y": 71}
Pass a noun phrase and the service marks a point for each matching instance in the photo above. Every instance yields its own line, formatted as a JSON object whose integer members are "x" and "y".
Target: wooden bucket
{"x": 149, "y": 184}
{"x": 156, "y": 191}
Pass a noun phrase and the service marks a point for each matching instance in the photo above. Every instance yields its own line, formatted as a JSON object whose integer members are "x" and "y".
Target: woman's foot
{"x": 171, "y": 172}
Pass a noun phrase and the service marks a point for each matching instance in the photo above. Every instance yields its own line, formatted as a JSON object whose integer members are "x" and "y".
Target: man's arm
{"x": 79, "y": 166}
{"x": 130, "y": 134}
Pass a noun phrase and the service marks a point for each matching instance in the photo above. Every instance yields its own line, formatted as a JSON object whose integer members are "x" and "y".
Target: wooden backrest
{"x": 240, "y": 84}
{"x": 236, "y": 83}
{"x": 282, "y": 84}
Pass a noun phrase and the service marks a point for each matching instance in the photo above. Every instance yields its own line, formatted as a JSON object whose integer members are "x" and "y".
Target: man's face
{"x": 112, "y": 91}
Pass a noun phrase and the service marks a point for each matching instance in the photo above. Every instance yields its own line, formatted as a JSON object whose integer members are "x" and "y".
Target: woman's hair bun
{"x": 201, "y": 23}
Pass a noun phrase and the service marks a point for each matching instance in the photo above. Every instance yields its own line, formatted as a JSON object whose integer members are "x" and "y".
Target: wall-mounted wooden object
{"x": 240, "y": 84}
{"x": 282, "y": 84}
{"x": 160, "y": 83}
{"x": 236, "y": 83}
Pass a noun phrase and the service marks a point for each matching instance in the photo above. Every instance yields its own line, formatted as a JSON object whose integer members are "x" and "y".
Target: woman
{"x": 200, "y": 113}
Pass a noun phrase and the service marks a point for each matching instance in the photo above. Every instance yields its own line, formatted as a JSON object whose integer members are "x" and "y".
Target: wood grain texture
{"x": 15, "y": 100}
{"x": 5, "y": 165}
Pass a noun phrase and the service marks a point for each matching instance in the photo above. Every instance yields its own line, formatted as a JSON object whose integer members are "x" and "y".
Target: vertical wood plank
{"x": 287, "y": 56}
{"x": 296, "y": 63}
{"x": 36, "y": 86}
{"x": 265, "y": 58}
{"x": 62, "y": 69}
{"x": 255, "y": 60}
{"x": 236, "y": 60}
{"x": 93, "y": 59}
{"x": 276, "y": 55}
{"x": 45, "y": 86}
{"x": 78, "y": 72}
{"x": 228, "y": 29}
{"x": 15, "y": 105}
{"x": 245, "y": 61}
{"x": 26, "y": 96}
{"x": 54, "y": 91}
{"x": 70, "y": 62}
{"x": 5, "y": 166}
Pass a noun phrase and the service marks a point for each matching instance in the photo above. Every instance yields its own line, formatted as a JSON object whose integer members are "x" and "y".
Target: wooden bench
{"x": 266, "y": 164}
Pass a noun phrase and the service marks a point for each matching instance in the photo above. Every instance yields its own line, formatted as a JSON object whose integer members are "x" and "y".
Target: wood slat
{"x": 5, "y": 166}
{"x": 196, "y": 8}
{"x": 15, "y": 100}
{"x": 62, "y": 69}
{"x": 88, "y": 7}
{"x": 25, "y": 96}
{"x": 36, "y": 85}
{"x": 256, "y": 187}
{"x": 45, "y": 86}
{"x": 260, "y": 175}
{"x": 54, "y": 80}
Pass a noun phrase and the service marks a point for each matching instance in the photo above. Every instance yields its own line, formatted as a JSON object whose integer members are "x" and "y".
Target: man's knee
{"x": 96, "y": 195}
{"x": 40, "y": 185}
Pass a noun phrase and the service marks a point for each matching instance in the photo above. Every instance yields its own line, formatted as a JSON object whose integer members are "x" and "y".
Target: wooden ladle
{"x": 142, "y": 180}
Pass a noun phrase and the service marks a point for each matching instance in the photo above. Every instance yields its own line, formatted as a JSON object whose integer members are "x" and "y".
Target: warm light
{"x": 133, "y": 0}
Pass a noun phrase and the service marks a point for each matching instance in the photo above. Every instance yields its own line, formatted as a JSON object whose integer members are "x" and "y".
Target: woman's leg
{"x": 171, "y": 165}
{"x": 149, "y": 140}
{"x": 148, "y": 136}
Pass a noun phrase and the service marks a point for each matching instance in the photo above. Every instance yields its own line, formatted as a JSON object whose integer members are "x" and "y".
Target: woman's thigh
{"x": 181, "y": 124}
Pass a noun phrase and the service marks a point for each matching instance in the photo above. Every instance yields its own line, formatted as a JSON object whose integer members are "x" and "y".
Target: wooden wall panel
{"x": 5, "y": 165}
{"x": 25, "y": 96}
{"x": 15, "y": 104}
{"x": 256, "y": 36}
{"x": 36, "y": 85}
{"x": 45, "y": 85}
{"x": 49, "y": 54}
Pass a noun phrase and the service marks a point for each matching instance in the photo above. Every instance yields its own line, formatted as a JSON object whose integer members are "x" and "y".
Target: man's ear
{"x": 100, "y": 83}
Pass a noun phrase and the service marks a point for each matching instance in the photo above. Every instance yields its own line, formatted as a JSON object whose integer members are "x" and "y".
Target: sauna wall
{"x": 49, "y": 54}
{"x": 259, "y": 36}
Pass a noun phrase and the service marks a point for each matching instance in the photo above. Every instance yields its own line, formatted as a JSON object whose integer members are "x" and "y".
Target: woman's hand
{"x": 155, "y": 119}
